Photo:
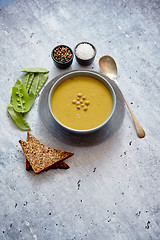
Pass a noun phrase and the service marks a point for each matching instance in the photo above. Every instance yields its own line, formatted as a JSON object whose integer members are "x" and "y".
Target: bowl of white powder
{"x": 85, "y": 53}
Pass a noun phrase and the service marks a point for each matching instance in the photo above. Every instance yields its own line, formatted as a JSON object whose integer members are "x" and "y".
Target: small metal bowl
{"x": 62, "y": 65}
{"x": 75, "y": 73}
{"x": 82, "y": 61}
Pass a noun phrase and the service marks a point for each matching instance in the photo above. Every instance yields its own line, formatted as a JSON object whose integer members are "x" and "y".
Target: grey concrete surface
{"x": 112, "y": 189}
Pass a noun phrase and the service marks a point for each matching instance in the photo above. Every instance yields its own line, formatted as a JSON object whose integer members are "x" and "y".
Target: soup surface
{"x": 82, "y": 103}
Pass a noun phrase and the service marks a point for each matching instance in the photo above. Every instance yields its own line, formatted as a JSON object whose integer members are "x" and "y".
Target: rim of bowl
{"x": 62, "y": 63}
{"x": 95, "y": 51}
{"x": 77, "y": 73}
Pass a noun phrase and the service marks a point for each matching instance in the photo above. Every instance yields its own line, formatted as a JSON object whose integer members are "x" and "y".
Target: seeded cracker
{"x": 32, "y": 139}
{"x": 41, "y": 157}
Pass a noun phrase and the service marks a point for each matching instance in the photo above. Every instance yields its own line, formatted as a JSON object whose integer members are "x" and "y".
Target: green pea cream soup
{"x": 82, "y": 103}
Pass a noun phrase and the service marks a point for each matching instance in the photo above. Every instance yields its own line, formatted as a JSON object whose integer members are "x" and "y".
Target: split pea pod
{"x": 20, "y": 98}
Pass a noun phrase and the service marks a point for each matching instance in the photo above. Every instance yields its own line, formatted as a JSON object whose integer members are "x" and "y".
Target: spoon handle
{"x": 140, "y": 131}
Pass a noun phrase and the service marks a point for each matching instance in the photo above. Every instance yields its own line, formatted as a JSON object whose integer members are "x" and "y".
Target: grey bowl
{"x": 81, "y": 73}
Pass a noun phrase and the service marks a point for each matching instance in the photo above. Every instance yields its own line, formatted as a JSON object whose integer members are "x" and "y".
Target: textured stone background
{"x": 111, "y": 190}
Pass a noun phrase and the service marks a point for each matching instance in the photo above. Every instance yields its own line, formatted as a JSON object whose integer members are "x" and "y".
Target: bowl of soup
{"x": 82, "y": 101}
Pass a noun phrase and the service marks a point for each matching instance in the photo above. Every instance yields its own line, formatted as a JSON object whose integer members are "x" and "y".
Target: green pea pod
{"x": 34, "y": 84}
{"x": 20, "y": 98}
{"x": 18, "y": 119}
{"x": 30, "y": 80}
{"x": 42, "y": 81}
{"x": 31, "y": 99}
{"x": 31, "y": 102}
{"x": 25, "y": 79}
{"x": 35, "y": 70}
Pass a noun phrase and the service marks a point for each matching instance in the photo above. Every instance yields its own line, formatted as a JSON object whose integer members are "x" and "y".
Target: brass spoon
{"x": 109, "y": 68}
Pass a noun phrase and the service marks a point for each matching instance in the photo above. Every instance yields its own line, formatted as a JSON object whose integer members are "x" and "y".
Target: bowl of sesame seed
{"x": 62, "y": 56}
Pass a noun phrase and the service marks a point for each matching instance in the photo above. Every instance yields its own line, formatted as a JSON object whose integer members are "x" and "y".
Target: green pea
{"x": 20, "y": 94}
{"x": 35, "y": 70}
{"x": 18, "y": 119}
{"x": 20, "y": 98}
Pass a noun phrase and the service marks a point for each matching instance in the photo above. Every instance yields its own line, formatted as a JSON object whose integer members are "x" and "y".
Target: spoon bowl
{"x": 109, "y": 68}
